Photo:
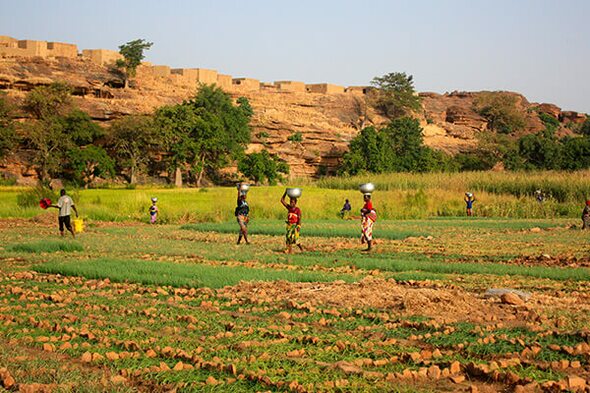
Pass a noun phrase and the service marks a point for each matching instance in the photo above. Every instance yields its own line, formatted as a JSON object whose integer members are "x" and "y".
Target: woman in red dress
{"x": 368, "y": 218}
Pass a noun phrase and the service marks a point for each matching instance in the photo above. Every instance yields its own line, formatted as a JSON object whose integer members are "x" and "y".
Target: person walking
{"x": 293, "y": 223}
{"x": 153, "y": 211}
{"x": 586, "y": 216}
{"x": 368, "y": 218}
{"x": 241, "y": 212}
{"x": 65, "y": 205}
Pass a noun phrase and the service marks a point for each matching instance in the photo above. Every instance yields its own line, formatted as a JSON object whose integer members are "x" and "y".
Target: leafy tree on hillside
{"x": 46, "y": 102}
{"x": 398, "y": 147}
{"x": 56, "y": 128}
{"x": 132, "y": 139}
{"x": 261, "y": 166}
{"x": 576, "y": 153}
{"x": 540, "y": 151}
{"x": 395, "y": 95}
{"x": 205, "y": 132}
{"x": 585, "y": 127}
{"x": 500, "y": 110}
{"x": 132, "y": 53}
{"x": 90, "y": 162}
{"x": 8, "y": 137}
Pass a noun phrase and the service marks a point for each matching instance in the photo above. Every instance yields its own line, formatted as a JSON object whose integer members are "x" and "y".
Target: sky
{"x": 540, "y": 48}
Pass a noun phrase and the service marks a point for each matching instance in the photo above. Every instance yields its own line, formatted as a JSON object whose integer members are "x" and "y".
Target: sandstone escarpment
{"x": 311, "y": 131}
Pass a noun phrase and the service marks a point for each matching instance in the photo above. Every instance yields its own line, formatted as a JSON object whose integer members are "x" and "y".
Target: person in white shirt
{"x": 65, "y": 204}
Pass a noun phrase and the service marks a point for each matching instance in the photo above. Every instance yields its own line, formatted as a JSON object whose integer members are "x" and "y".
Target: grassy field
{"x": 398, "y": 196}
{"x": 135, "y": 307}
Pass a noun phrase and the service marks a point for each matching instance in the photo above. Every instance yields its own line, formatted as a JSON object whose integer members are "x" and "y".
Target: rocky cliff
{"x": 326, "y": 122}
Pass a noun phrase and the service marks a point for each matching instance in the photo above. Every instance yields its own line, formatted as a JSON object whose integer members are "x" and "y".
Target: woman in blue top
{"x": 469, "y": 199}
{"x": 241, "y": 213}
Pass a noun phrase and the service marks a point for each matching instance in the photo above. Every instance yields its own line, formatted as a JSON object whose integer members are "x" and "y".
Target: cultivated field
{"x": 178, "y": 306}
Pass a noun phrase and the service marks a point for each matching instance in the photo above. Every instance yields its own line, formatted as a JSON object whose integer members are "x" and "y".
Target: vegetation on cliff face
{"x": 132, "y": 53}
{"x": 395, "y": 96}
{"x": 263, "y": 166}
{"x": 7, "y": 130}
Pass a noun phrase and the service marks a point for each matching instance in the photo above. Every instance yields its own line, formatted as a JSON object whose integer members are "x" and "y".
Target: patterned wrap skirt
{"x": 367, "y": 226}
{"x": 292, "y": 236}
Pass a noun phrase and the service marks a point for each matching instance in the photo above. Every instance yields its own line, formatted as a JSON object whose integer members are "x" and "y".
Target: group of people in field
{"x": 66, "y": 205}
{"x": 293, "y": 228}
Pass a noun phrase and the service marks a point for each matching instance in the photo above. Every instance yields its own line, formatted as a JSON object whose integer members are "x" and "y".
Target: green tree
{"x": 132, "y": 53}
{"x": 46, "y": 102}
{"x": 8, "y": 139}
{"x": 56, "y": 128}
{"x": 585, "y": 127}
{"x": 90, "y": 162}
{"x": 576, "y": 153}
{"x": 399, "y": 147}
{"x": 204, "y": 133}
{"x": 540, "y": 151}
{"x": 395, "y": 95}
{"x": 80, "y": 127}
{"x": 500, "y": 110}
{"x": 132, "y": 139}
{"x": 261, "y": 166}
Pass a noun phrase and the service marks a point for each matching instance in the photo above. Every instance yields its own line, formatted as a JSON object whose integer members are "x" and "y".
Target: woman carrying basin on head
{"x": 242, "y": 211}
{"x": 368, "y": 216}
{"x": 293, "y": 219}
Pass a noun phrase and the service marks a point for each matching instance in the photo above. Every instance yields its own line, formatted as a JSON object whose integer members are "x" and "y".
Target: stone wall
{"x": 185, "y": 77}
{"x": 101, "y": 56}
{"x": 11, "y": 47}
{"x": 324, "y": 88}
{"x": 290, "y": 86}
{"x": 245, "y": 84}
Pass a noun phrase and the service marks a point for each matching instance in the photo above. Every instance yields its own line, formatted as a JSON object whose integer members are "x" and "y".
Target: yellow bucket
{"x": 78, "y": 225}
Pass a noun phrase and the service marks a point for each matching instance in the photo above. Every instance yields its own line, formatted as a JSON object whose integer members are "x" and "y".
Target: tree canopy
{"x": 395, "y": 95}
{"x": 7, "y": 129}
{"x": 500, "y": 110}
{"x": 132, "y": 53}
{"x": 263, "y": 165}
{"x": 398, "y": 147}
{"x": 205, "y": 132}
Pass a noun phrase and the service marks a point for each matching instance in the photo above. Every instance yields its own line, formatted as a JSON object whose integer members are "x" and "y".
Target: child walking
{"x": 153, "y": 211}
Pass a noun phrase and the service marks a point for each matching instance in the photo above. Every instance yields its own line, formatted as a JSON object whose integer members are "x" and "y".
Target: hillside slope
{"x": 327, "y": 122}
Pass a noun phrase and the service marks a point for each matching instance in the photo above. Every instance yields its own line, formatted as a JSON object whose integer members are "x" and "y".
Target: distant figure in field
{"x": 539, "y": 196}
{"x": 586, "y": 216}
{"x": 345, "y": 211}
{"x": 469, "y": 199}
{"x": 242, "y": 211}
{"x": 368, "y": 218}
{"x": 293, "y": 223}
{"x": 65, "y": 204}
{"x": 153, "y": 211}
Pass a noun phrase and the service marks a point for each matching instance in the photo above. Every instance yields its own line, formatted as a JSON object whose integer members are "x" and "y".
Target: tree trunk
{"x": 201, "y": 172}
{"x": 132, "y": 179}
{"x": 178, "y": 177}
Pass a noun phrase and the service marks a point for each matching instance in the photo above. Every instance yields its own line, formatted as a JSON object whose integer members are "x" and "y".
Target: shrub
{"x": 296, "y": 137}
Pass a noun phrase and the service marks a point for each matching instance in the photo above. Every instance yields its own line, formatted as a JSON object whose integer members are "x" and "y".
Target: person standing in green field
{"x": 65, "y": 205}
{"x": 469, "y": 199}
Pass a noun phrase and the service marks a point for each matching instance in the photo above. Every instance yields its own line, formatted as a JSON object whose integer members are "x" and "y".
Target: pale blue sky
{"x": 539, "y": 48}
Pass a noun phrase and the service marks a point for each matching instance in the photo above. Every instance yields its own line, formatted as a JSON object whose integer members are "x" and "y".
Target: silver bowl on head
{"x": 243, "y": 187}
{"x": 367, "y": 188}
{"x": 294, "y": 192}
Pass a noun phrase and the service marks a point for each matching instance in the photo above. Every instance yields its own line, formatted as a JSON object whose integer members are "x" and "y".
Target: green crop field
{"x": 178, "y": 306}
